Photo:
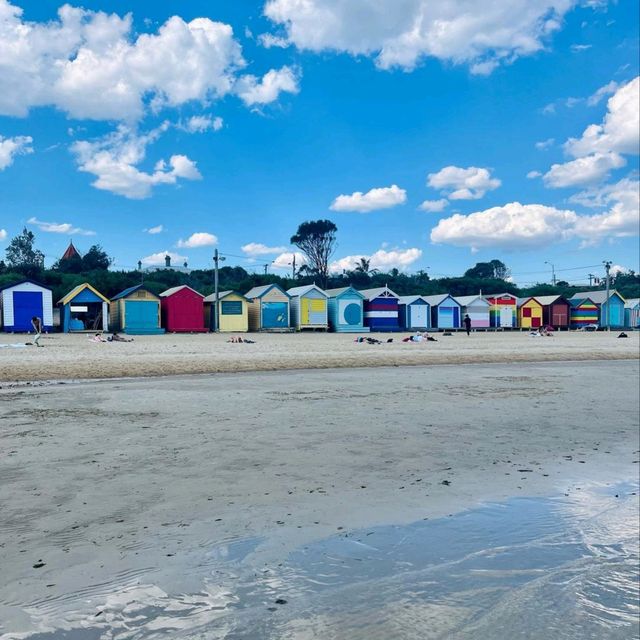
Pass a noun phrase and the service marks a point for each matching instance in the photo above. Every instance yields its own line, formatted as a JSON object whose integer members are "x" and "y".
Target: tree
{"x": 22, "y": 255}
{"x": 500, "y": 269}
{"x": 493, "y": 269}
{"x": 364, "y": 266}
{"x": 317, "y": 240}
{"x": 96, "y": 259}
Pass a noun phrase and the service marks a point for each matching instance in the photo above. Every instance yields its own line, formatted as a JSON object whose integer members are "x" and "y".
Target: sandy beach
{"x": 125, "y": 494}
{"x": 66, "y": 356}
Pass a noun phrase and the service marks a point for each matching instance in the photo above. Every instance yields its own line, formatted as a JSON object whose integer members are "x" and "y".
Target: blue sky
{"x": 227, "y": 124}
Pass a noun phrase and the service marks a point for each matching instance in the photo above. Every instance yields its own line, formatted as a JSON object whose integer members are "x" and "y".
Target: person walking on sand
{"x": 36, "y": 323}
{"x": 467, "y": 323}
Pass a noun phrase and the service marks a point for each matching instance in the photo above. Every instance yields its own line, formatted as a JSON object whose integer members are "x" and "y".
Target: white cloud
{"x": 582, "y": 171}
{"x": 463, "y": 184}
{"x": 157, "y": 259}
{"x": 530, "y": 226}
{"x": 618, "y": 268}
{"x": 545, "y": 144}
{"x": 199, "y": 239}
{"x": 577, "y": 48}
{"x": 113, "y": 159}
{"x": 434, "y": 206}
{"x": 619, "y": 132}
{"x": 252, "y": 90}
{"x": 268, "y": 40}
{"x": 155, "y": 230}
{"x": 382, "y": 260}
{"x": 3, "y": 234}
{"x": 380, "y": 198}
{"x": 259, "y": 249}
{"x": 201, "y": 124}
{"x": 602, "y": 92}
{"x": 533, "y": 174}
{"x": 12, "y": 147}
{"x": 400, "y": 33}
{"x": 285, "y": 260}
{"x": 91, "y": 65}
{"x": 60, "y": 227}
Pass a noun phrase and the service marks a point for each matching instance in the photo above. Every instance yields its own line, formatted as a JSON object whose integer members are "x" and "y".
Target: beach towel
{"x": 17, "y": 345}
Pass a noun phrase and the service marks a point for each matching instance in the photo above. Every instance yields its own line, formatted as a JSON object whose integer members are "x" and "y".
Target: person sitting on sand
{"x": 116, "y": 337}
{"x": 36, "y": 323}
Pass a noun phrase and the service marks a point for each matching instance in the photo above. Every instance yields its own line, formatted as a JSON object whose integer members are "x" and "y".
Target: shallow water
{"x": 561, "y": 568}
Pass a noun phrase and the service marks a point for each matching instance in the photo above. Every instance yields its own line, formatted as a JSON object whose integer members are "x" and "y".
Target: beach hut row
{"x": 137, "y": 310}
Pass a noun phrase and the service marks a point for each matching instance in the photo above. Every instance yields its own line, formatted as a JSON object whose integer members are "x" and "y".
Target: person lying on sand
{"x": 97, "y": 338}
{"x": 420, "y": 336}
{"x": 116, "y": 337}
{"x": 240, "y": 339}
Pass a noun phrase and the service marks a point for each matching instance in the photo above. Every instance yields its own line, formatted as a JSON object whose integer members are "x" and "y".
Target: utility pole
{"x": 607, "y": 267}
{"x": 266, "y": 266}
{"x": 294, "y": 267}
{"x": 217, "y": 258}
{"x": 553, "y": 272}
{"x": 591, "y": 276}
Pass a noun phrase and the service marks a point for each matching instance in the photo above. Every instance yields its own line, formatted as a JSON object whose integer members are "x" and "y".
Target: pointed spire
{"x": 71, "y": 252}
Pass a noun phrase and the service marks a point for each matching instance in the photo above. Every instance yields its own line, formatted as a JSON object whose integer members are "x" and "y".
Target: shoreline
{"x": 152, "y": 480}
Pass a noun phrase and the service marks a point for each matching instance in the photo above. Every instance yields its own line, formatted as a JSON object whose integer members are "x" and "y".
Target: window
{"x": 526, "y": 312}
{"x": 231, "y": 308}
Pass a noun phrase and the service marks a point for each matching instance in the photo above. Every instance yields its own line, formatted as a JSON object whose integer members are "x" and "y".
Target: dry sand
{"x": 74, "y": 356}
{"x": 117, "y": 491}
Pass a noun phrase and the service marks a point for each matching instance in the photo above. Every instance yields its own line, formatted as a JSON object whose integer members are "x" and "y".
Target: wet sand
{"x": 67, "y": 356}
{"x": 113, "y": 492}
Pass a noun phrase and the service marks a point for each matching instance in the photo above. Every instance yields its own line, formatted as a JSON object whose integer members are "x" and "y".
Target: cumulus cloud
{"x": 285, "y": 260}
{"x": 380, "y": 198}
{"x": 258, "y": 249}
{"x": 463, "y": 184}
{"x": 582, "y": 171}
{"x": 533, "y": 174}
{"x": 400, "y": 33}
{"x": 113, "y": 159}
{"x": 60, "y": 227}
{"x": 90, "y": 65}
{"x": 619, "y": 131}
{"x": 268, "y": 40}
{"x": 202, "y": 124}
{"x": 434, "y": 206}
{"x": 155, "y": 230}
{"x": 199, "y": 239}
{"x": 3, "y": 234}
{"x": 601, "y": 147}
{"x": 253, "y": 91}
{"x": 158, "y": 259}
{"x": 382, "y": 260}
{"x": 12, "y": 147}
{"x": 530, "y": 226}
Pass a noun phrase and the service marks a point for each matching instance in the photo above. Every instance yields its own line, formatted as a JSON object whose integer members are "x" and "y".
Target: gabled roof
{"x": 258, "y": 292}
{"x": 410, "y": 299}
{"x": 500, "y": 295}
{"x": 438, "y": 299}
{"x": 522, "y": 301}
{"x": 631, "y": 303}
{"x": 370, "y": 294}
{"x": 545, "y": 301}
{"x": 599, "y": 297}
{"x": 76, "y": 290}
{"x": 301, "y": 291}
{"x": 335, "y": 293}
{"x": 466, "y": 301}
{"x": 578, "y": 301}
{"x": 130, "y": 290}
{"x": 172, "y": 290}
{"x": 222, "y": 294}
{"x": 19, "y": 282}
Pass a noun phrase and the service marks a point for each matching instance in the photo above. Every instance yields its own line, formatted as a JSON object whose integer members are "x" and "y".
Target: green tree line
{"x": 23, "y": 260}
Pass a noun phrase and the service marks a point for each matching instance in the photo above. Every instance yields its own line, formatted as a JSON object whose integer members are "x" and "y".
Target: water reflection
{"x": 562, "y": 568}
